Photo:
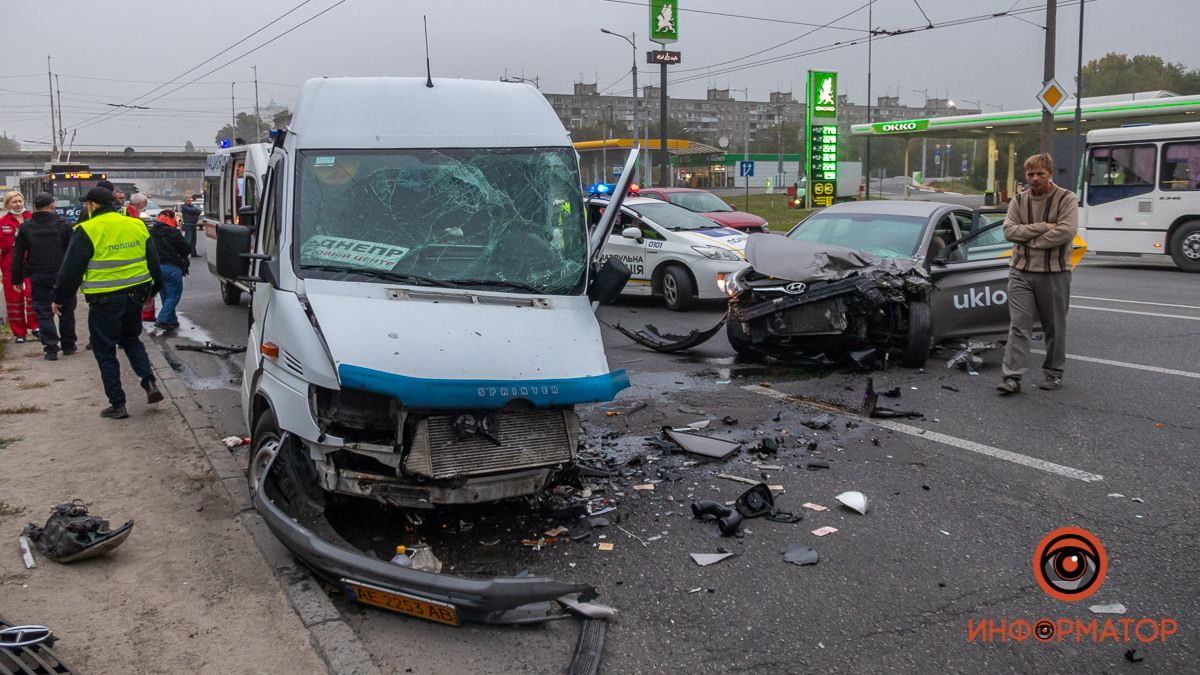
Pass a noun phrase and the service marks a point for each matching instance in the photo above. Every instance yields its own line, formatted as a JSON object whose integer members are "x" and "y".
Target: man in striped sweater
{"x": 1041, "y": 223}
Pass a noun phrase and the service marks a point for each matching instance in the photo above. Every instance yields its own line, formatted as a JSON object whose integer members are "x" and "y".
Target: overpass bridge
{"x": 127, "y": 164}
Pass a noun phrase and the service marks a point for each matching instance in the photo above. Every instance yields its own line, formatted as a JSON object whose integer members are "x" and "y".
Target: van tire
{"x": 918, "y": 339}
{"x": 264, "y": 445}
{"x": 1185, "y": 246}
{"x": 298, "y": 484}
{"x": 678, "y": 289}
{"x": 230, "y": 294}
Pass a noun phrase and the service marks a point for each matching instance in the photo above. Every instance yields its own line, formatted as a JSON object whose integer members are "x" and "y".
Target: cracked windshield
{"x": 507, "y": 219}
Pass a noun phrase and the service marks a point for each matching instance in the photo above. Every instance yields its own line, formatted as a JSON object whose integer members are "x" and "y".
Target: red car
{"x": 710, "y": 206}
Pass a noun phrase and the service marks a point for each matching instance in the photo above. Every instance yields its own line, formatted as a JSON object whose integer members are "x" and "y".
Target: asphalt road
{"x": 959, "y": 499}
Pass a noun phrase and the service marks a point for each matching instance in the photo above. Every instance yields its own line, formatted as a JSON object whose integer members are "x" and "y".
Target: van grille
{"x": 529, "y": 438}
{"x": 292, "y": 363}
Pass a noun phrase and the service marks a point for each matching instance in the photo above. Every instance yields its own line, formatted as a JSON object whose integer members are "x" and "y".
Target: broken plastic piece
{"x": 605, "y": 546}
{"x": 702, "y": 424}
{"x": 894, "y": 392}
{"x": 822, "y": 531}
{"x": 755, "y": 502}
{"x": 740, "y": 479}
{"x": 1110, "y": 608}
{"x": 727, "y": 519}
{"x": 854, "y": 500}
{"x": 729, "y": 420}
{"x": 651, "y": 337}
{"x": 871, "y": 408}
{"x": 821, "y": 421}
{"x": 706, "y": 559}
{"x": 26, "y": 553}
{"x": 814, "y": 507}
{"x": 813, "y": 466}
{"x": 1132, "y": 655}
{"x": 799, "y": 554}
{"x": 72, "y": 534}
{"x": 644, "y": 486}
{"x": 705, "y": 446}
{"x": 591, "y": 610}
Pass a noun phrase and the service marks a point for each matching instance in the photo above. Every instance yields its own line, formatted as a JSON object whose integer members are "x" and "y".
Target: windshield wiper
{"x": 500, "y": 282}
{"x": 386, "y": 275}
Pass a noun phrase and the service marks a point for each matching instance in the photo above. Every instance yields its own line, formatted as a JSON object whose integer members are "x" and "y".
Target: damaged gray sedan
{"x": 890, "y": 277}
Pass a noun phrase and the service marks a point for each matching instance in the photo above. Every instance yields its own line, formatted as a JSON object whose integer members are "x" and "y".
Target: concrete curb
{"x": 334, "y": 641}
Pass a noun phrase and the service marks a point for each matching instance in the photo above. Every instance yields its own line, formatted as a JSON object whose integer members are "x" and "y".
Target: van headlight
{"x": 716, "y": 253}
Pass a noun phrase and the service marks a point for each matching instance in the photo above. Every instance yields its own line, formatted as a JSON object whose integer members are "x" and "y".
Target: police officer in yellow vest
{"x": 112, "y": 258}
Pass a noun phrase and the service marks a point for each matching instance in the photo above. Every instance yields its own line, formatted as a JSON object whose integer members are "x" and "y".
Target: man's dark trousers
{"x": 115, "y": 320}
{"x": 42, "y": 288}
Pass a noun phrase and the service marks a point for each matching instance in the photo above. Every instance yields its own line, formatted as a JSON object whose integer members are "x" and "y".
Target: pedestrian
{"x": 18, "y": 303}
{"x": 112, "y": 258}
{"x": 1041, "y": 223}
{"x": 137, "y": 204}
{"x": 191, "y": 219}
{"x": 41, "y": 243}
{"x": 118, "y": 199}
{"x": 173, "y": 258}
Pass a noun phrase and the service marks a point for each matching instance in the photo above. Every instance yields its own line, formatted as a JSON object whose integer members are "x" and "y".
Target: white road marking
{"x": 1130, "y": 311}
{"x": 1134, "y": 302}
{"x": 1123, "y": 364}
{"x": 972, "y": 446}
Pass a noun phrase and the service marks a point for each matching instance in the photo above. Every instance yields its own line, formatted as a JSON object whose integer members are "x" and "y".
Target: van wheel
{"x": 264, "y": 445}
{"x": 1185, "y": 246}
{"x": 677, "y": 289}
{"x": 230, "y": 294}
{"x": 918, "y": 339}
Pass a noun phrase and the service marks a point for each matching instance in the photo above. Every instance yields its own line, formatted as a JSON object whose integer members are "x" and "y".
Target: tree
{"x": 188, "y": 147}
{"x": 1119, "y": 74}
{"x": 247, "y": 130}
{"x": 768, "y": 140}
{"x": 9, "y": 144}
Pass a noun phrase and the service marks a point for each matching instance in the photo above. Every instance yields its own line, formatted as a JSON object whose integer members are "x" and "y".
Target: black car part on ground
{"x": 36, "y": 658}
{"x": 655, "y": 339}
{"x": 515, "y": 600}
{"x": 71, "y": 534}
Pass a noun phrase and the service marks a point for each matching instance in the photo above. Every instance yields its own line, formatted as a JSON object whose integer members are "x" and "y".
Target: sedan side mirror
{"x": 632, "y": 233}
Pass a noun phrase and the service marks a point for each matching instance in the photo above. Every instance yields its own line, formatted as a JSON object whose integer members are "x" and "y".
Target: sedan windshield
{"x": 672, "y": 217}
{"x": 883, "y": 235}
{"x": 504, "y": 219}
{"x": 700, "y": 202}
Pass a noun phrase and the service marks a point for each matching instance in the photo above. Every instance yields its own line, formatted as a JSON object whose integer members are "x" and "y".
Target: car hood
{"x": 448, "y": 348}
{"x": 734, "y": 218}
{"x": 798, "y": 260}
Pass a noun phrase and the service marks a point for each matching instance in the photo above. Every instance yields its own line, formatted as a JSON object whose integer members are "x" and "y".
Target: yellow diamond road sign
{"x": 1052, "y": 95}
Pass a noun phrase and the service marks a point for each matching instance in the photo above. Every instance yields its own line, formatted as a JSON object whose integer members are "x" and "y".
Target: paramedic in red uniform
{"x": 18, "y": 303}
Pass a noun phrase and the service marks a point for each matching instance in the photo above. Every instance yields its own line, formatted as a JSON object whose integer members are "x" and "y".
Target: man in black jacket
{"x": 38, "y": 251}
{"x": 172, "y": 252}
{"x": 191, "y": 218}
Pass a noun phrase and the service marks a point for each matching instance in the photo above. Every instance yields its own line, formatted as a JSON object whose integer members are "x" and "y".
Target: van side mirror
{"x": 608, "y": 282}
{"x": 632, "y": 233}
{"x": 234, "y": 244}
{"x": 247, "y": 215}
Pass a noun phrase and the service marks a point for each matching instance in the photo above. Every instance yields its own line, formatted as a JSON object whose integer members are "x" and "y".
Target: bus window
{"x": 1180, "y": 166}
{"x": 1119, "y": 172}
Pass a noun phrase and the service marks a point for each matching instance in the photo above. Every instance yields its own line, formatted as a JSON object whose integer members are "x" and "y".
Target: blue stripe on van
{"x": 418, "y": 392}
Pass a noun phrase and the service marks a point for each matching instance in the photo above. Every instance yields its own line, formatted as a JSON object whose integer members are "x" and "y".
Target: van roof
{"x": 401, "y": 112}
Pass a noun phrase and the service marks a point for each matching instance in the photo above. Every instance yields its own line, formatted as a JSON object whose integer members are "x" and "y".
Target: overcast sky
{"x": 117, "y": 51}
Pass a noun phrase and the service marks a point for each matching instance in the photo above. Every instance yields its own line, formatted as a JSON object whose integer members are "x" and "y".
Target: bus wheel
{"x": 1185, "y": 246}
{"x": 230, "y": 294}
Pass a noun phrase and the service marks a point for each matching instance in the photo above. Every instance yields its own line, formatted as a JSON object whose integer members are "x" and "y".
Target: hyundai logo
{"x": 23, "y": 636}
{"x": 795, "y": 288}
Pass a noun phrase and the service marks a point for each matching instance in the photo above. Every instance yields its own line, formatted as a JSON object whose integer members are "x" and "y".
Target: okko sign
{"x": 821, "y": 139}
{"x": 664, "y": 21}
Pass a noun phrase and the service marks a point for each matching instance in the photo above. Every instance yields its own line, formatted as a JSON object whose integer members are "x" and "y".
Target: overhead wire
{"x": 737, "y": 16}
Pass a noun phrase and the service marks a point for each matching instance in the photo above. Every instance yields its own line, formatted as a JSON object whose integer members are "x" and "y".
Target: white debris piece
{"x": 854, "y": 500}
{"x": 1110, "y": 608}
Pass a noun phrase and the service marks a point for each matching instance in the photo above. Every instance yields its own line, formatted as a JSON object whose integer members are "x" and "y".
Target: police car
{"x": 670, "y": 251}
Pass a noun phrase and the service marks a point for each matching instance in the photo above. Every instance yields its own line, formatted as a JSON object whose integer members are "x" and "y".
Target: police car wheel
{"x": 677, "y": 289}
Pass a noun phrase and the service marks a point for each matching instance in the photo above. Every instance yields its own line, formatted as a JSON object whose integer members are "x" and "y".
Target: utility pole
{"x": 62, "y": 133}
{"x": 870, "y": 40}
{"x": 746, "y": 144}
{"x": 779, "y": 140}
{"x": 232, "y": 116}
{"x": 257, "y": 119}
{"x": 1075, "y": 158}
{"x": 53, "y": 131}
{"x": 1048, "y": 74}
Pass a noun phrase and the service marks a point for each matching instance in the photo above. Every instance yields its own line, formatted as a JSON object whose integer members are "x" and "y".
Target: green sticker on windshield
{"x": 325, "y": 161}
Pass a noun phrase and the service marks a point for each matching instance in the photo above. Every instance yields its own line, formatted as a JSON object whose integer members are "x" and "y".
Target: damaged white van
{"x": 421, "y": 314}
{"x": 421, "y": 326}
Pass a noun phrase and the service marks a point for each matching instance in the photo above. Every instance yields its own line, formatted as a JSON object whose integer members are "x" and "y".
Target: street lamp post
{"x": 636, "y": 112}
{"x": 924, "y": 140}
{"x": 746, "y": 142}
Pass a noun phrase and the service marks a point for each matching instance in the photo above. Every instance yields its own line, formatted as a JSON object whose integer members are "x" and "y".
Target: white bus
{"x": 1141, "y": 192}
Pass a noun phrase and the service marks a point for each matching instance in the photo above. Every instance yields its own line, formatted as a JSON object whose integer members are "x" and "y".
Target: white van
{"x": 233, "y": 179}
{"x": 421, "y": 321}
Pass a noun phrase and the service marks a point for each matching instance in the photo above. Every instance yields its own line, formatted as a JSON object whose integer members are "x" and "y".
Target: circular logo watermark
{"x": 1070, "y": 564}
